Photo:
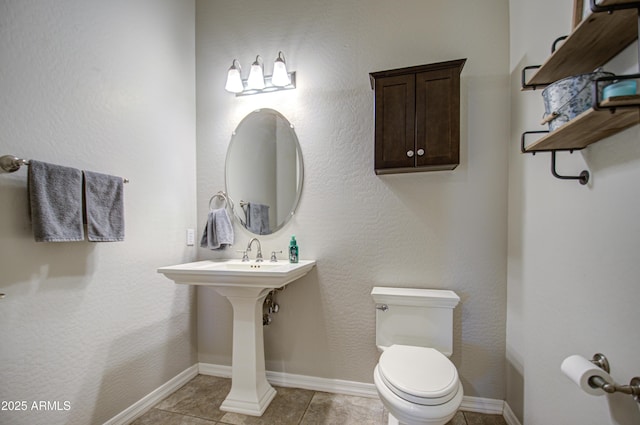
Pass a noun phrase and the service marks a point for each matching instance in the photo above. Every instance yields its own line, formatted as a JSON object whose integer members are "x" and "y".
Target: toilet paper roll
{"x": 579, "y": 370}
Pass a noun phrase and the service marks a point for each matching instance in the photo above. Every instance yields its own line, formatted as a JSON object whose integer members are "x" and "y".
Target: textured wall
{"x": 573, "y": 250}
{"x": 434, "y": 230}
{"x": 107, "y": 86}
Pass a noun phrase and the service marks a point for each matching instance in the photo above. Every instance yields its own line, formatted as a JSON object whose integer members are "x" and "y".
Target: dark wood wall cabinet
{"x": 417, "y": 117}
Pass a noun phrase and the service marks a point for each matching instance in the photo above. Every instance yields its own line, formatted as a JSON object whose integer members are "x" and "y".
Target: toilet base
{"x": 393, "y": 420}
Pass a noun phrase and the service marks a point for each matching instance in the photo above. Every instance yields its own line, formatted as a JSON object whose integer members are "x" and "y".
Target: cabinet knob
{"x": 420, "y": 152}
{"x": 410, "y": 154}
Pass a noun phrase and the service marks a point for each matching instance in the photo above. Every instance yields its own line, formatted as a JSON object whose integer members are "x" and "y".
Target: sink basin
{"x": 237, "y": 273}
{"x": 245, "y": 285}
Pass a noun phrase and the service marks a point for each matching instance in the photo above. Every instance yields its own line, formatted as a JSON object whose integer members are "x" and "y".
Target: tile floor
{"x": 196, "y": 403}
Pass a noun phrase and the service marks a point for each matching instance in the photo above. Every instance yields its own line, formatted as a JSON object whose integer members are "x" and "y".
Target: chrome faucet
{"x": 259, "y": 254}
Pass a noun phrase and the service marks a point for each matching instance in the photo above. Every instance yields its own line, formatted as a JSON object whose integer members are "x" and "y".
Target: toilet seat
{"x": 419, "y": 375}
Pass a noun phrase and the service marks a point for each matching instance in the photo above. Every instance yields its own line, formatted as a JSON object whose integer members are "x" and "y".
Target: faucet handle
{"x": 245, "y": 256}
{"x": 274, "y": 259}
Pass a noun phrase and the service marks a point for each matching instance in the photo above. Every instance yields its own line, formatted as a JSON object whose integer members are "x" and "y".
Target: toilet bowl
{"x": 417, "y": 385}
{"x": 414, "y": 377}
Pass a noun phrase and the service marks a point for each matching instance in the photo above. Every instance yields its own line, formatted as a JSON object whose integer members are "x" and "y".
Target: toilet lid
{"x": 418, "y": 374}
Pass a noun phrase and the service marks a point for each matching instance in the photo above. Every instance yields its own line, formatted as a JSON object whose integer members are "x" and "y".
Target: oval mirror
{"x": 264, "y": 171}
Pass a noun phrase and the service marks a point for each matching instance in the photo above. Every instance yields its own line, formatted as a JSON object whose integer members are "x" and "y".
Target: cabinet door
{"x": 395, "y": 122}
{"x": 438, "y": 119}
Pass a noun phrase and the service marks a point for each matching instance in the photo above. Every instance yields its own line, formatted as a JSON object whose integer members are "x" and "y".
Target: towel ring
{"x": 225, "y": 198}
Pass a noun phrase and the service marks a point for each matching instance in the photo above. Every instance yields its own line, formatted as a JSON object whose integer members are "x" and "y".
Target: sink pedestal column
{"x": 250, "y": 392}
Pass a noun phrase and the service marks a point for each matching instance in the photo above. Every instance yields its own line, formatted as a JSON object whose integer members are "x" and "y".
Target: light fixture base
{"x": 269, "y": 87}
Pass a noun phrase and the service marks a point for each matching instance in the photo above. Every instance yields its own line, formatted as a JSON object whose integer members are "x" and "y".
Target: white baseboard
{"x": 338, "y": 386}
{"x": 291, "y": 380}
{"x": 141, "y": 406}
{"x": 510, "y": 417}
{"x": 211, "y": 369}
{"x": 487, "y": 406}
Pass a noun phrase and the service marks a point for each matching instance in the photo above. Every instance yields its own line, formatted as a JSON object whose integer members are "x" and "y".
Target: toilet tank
{"x": 412, "y": 316}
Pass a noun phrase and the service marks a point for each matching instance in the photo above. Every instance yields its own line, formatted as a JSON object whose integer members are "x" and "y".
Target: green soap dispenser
{"x": 293, "y": 250}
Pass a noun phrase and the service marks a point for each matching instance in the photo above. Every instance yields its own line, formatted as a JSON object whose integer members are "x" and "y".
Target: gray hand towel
{"x": 207, "y": 234}
{"x": 258, "y": 218}
{"x": 55, "y": 197}
{"x": 104, "y": 198}
{"x": 218, "y": 232}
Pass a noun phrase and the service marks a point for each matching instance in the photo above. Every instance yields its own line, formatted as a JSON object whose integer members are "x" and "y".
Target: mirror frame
{"x": 300, "y": 169}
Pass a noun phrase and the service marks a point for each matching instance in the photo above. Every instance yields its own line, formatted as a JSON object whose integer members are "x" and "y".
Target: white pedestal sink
{"x": 245, "y": 285}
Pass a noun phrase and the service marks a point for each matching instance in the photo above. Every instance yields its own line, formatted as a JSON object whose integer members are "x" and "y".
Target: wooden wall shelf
{"x": 595, "y": 41}
{"x": 586, "y": 128}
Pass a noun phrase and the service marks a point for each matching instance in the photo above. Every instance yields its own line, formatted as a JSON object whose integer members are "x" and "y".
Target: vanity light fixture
{"x": 257, "y": 81}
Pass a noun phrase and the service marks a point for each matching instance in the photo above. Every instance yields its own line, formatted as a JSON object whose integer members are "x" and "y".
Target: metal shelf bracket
{"x": 523, "y": 77}
{"x": 583, "y": 177}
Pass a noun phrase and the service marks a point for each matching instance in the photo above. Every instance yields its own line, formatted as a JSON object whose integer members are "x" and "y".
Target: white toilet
{"x": 414, "y": 377}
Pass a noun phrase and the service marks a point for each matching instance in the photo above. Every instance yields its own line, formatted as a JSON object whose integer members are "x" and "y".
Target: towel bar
{"x": 10, "y": 164}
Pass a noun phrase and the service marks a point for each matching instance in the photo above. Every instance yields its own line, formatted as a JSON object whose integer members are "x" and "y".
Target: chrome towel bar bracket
{"x": 10, "y": 163}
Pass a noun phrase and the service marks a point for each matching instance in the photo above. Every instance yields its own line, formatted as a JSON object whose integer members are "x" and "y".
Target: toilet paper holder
{"x": 632, "y": 389}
